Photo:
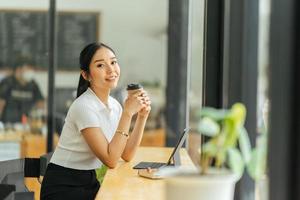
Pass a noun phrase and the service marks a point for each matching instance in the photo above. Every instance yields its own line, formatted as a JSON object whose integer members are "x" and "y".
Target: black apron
{"x": 61, "y": 183}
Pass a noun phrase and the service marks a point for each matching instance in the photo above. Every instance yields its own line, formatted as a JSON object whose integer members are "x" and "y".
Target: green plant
{"x": 100, "y": 173}
{"x": 257, "y": 165}
{"x": 226, "y": 132}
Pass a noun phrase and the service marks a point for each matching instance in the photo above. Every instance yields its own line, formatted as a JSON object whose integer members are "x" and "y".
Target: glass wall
{"x": 139, "y": 40}
{"x": 23, "y": 87}
{"x": 195, "y": 93}
{"x": 261, "y": 192}
{"x": 23, "y": 76}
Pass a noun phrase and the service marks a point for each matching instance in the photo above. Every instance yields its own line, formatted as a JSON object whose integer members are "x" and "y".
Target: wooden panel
{"x": 155, "y": 137}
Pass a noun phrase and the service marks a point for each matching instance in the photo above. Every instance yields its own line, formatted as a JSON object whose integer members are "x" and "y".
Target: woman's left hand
{"x": 144, "y": 112}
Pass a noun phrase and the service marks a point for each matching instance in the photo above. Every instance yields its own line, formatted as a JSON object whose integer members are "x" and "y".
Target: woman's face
{"x": 104, "y": 69}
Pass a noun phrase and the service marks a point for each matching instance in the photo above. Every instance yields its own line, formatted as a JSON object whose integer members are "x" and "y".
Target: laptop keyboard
{"x": 145, "y": 165}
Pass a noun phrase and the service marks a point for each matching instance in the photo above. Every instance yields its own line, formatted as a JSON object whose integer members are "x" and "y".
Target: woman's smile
{"x": 111, "y": 78}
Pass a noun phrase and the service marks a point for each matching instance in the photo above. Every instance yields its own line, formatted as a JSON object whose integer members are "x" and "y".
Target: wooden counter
{"x": 124, "y": 183}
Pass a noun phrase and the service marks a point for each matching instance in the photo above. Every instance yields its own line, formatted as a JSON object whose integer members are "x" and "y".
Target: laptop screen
{"x": 178, "y": 145}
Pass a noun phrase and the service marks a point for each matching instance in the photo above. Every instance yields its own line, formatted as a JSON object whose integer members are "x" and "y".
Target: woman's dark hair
{"x": 85, "y": 59}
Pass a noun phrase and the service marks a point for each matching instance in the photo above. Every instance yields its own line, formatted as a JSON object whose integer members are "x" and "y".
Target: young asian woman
{"x": 96, "y": 129}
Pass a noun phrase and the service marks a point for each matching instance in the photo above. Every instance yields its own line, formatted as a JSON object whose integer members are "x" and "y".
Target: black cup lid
{"x": 134, "y": 86}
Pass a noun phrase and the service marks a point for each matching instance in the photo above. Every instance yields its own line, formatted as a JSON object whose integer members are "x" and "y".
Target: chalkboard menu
{"x": 25, "y": 34}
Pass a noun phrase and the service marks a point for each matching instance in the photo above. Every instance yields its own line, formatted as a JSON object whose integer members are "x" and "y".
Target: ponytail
{"x": 82, "y": 86}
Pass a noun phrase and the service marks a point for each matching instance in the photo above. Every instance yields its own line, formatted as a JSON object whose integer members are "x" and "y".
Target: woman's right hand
{"x": 134, "y": 102}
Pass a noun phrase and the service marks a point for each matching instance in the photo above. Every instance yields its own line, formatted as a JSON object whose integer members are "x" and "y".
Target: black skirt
{"x": 61, "y": 183}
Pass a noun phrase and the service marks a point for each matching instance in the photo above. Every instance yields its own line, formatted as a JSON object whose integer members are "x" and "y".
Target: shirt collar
{"x": 101, "y": 104}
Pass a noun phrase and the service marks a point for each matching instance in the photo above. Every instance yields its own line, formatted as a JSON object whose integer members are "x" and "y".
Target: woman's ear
{"x": 84, "y": 74}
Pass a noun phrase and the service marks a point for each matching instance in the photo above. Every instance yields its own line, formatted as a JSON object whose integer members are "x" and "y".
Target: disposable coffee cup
{"x": 131, "y": 88}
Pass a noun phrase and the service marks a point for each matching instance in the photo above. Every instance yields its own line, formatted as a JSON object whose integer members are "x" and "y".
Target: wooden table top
{"x": 123, "y": 182}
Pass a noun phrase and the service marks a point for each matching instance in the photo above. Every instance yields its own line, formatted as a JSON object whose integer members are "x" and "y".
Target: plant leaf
{"x": 208, "y": 127}
{"x": 244, "y": 143}
{"x": 238, "y": 114}
{"x": 258, "y": 162}
{"x": 235, "y": 161}
{"x": 210, "y": 148}
{"x": 100, "y": 173}
{"x": 231, "y": 134}
{"x": 233, "y": 123}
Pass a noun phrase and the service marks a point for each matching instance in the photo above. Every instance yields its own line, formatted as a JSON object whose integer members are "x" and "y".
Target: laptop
{"x": 174, "y": 159}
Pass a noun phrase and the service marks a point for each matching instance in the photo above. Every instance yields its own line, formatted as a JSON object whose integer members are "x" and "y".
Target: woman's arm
{"x": 110, "y": 153}
{"x": 138, "y": 130}
{"x": 135, "y": 138}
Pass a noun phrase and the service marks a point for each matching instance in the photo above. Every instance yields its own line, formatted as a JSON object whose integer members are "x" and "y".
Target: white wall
{"x": 137, "y": 31}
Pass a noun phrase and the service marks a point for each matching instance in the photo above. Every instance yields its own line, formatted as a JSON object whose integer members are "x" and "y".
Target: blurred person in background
{"x": 19, "y": 93}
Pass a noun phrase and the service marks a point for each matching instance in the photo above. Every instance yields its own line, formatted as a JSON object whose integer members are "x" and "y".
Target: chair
{"x": 13, "y": 172}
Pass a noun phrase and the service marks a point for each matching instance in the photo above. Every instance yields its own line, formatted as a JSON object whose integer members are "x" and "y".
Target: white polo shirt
{"x": 86, "y": 111}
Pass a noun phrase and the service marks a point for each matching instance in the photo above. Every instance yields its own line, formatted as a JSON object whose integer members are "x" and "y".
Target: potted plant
{"x": 223, "y": 157}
